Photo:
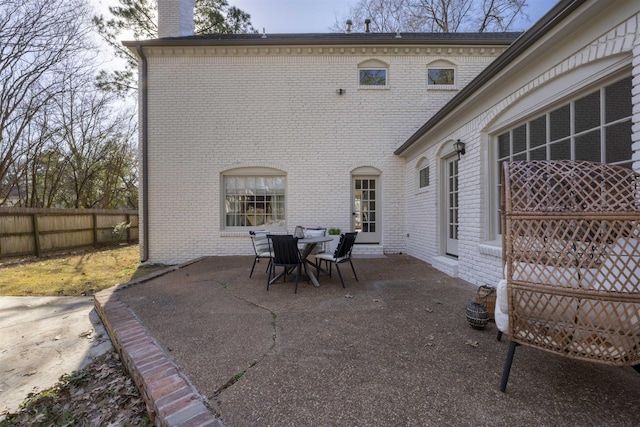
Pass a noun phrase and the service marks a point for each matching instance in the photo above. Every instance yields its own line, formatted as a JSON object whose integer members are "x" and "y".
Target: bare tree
{"x": 496, "y": 15}
{"x": 139, "y": 19}
{"x": 442, "y": 16}
{"x": 38, "y": 40}
{"x": 95, "y": 137}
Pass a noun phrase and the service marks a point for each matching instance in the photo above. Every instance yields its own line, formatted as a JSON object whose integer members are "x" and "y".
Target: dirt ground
{"x": 100, "y": 394}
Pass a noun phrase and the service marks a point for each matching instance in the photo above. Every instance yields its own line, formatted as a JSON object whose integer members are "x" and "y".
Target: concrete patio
{"x": 209, "y": 346}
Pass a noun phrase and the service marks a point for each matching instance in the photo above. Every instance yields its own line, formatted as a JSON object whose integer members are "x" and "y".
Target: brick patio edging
{"x": 170, "y": 398}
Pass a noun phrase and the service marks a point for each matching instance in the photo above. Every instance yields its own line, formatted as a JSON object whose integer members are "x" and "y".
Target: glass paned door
{"x": 451, "y": 194}
{"x": 366, "y": 209}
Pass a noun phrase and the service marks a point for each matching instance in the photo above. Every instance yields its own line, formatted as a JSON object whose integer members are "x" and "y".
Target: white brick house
{"x": 272, "y": 131}
{"x": 568, "y": 88}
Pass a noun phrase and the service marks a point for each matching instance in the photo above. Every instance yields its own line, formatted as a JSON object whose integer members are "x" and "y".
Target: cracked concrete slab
{"x": 393, "y": 348}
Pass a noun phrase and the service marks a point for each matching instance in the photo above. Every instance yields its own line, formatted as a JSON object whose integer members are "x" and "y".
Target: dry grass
{"x": 78, "y": 273}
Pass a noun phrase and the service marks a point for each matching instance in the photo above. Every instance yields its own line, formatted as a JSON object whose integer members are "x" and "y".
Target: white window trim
{"x": 419, "y": 188}
{"x": 374, "y": 87}
{"x": 454, "y": 86}
{"x": 247, "y": 172}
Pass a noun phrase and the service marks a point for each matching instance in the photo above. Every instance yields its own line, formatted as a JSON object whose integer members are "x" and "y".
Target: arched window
{"x": 373, "y": 74}
{"x": 441, "y": 75}
{"x": 423, "y": 173}
{"x": 594, "y": 126}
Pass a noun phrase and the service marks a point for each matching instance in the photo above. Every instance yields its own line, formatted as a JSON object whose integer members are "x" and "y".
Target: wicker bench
{"x": 571, "y": 250}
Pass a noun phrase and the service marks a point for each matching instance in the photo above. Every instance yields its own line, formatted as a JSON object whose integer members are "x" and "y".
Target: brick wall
{"x": 278, "y": 107}
{"x": 175, "y": 18}
{"x": 479, "y": 260}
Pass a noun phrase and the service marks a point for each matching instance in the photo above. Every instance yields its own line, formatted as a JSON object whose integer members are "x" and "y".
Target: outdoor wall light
{"x": 458, "y": 146}
{"x": 341, "y": 91}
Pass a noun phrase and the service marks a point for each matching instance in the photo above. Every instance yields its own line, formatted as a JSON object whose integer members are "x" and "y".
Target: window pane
{"x": 561, "y": 150}
{"x": 550, "y": 136}
{"x": 254, "y": 200}
{"x": 424, "y": 177}
{"x": 503, "y": 146}
{"x": 618, "y": 138}
{"x": 538, "y": 154}
{"x": 588, "y": 147}
{"x": 520, "y": 139}
{"x": 440, "y": 76}
{"x": 587, "y": 112}
{"x": 373, "y": 77}
{"x": 618, "y": 100}
{"x": 560, "y": 123}
{"x": 538, "y": 132}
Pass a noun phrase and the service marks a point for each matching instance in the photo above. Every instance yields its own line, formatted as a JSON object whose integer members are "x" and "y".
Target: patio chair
{"x": 316, "y": 232}
{"x": 571, "y": 249}
{"x": 341, "y": 255}
{"x": 261, "y": 248}
{"x": 286, "y": 255}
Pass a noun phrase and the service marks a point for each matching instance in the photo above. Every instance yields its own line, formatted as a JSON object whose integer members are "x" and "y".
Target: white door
{"x": 366, "y": 209}
{"x": 451, "y": 206}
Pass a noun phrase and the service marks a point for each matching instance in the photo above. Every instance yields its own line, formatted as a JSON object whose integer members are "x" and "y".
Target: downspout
{"x": 145, "y": 158}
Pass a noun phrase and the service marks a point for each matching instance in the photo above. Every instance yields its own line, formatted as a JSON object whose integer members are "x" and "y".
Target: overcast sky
{"x": 316, "y": 16}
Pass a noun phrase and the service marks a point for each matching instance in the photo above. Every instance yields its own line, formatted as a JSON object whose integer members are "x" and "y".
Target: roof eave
{"x": 200, "y": 42}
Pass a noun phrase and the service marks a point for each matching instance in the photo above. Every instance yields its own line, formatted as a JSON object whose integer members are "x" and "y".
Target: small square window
{"x": 373, "y": 77}
{"x": 440, "y": 77}
{"x": 424, "y": 177}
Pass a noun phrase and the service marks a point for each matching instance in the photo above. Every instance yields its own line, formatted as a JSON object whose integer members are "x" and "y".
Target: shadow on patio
{"x": 391, "y": 349}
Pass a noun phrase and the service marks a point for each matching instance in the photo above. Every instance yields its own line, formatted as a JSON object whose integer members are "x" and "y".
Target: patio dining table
{"x": 309, "y": 244}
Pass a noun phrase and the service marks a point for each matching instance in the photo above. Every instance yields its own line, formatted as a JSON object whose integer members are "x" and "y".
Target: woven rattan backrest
{"x": 571, "y": 245}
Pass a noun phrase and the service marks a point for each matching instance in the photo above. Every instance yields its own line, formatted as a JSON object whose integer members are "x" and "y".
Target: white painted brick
{"x": 208, "y": 114}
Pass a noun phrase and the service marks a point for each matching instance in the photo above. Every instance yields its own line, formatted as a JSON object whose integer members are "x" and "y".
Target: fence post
{"x": 95, "y": 230}
{"x": 128, "y": 220}
{"x": 36, "y": 235}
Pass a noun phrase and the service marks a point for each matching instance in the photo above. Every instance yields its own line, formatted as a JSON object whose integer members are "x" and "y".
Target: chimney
{"x": 175, "y": 18}
{"x": 366, "y": 25}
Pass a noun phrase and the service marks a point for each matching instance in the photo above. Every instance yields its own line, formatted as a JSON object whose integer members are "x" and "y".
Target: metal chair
{"x": 286, "y": 255}
{"x": 341, "y": 255}
{"x": 260, "y": 247}
{"x": 315, "y": 232}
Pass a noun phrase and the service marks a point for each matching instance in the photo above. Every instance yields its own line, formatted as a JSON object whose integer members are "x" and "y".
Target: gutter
{"x": 145, "y": 158}
{"x": 409, "y": 39}
{"x": 556, "y": 15}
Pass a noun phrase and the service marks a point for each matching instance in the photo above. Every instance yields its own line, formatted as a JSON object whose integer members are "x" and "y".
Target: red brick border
{"x": 171, "y": 399}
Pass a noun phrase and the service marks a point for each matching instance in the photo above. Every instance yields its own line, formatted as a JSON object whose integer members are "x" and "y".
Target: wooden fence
{"x": 33, "y": 231}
